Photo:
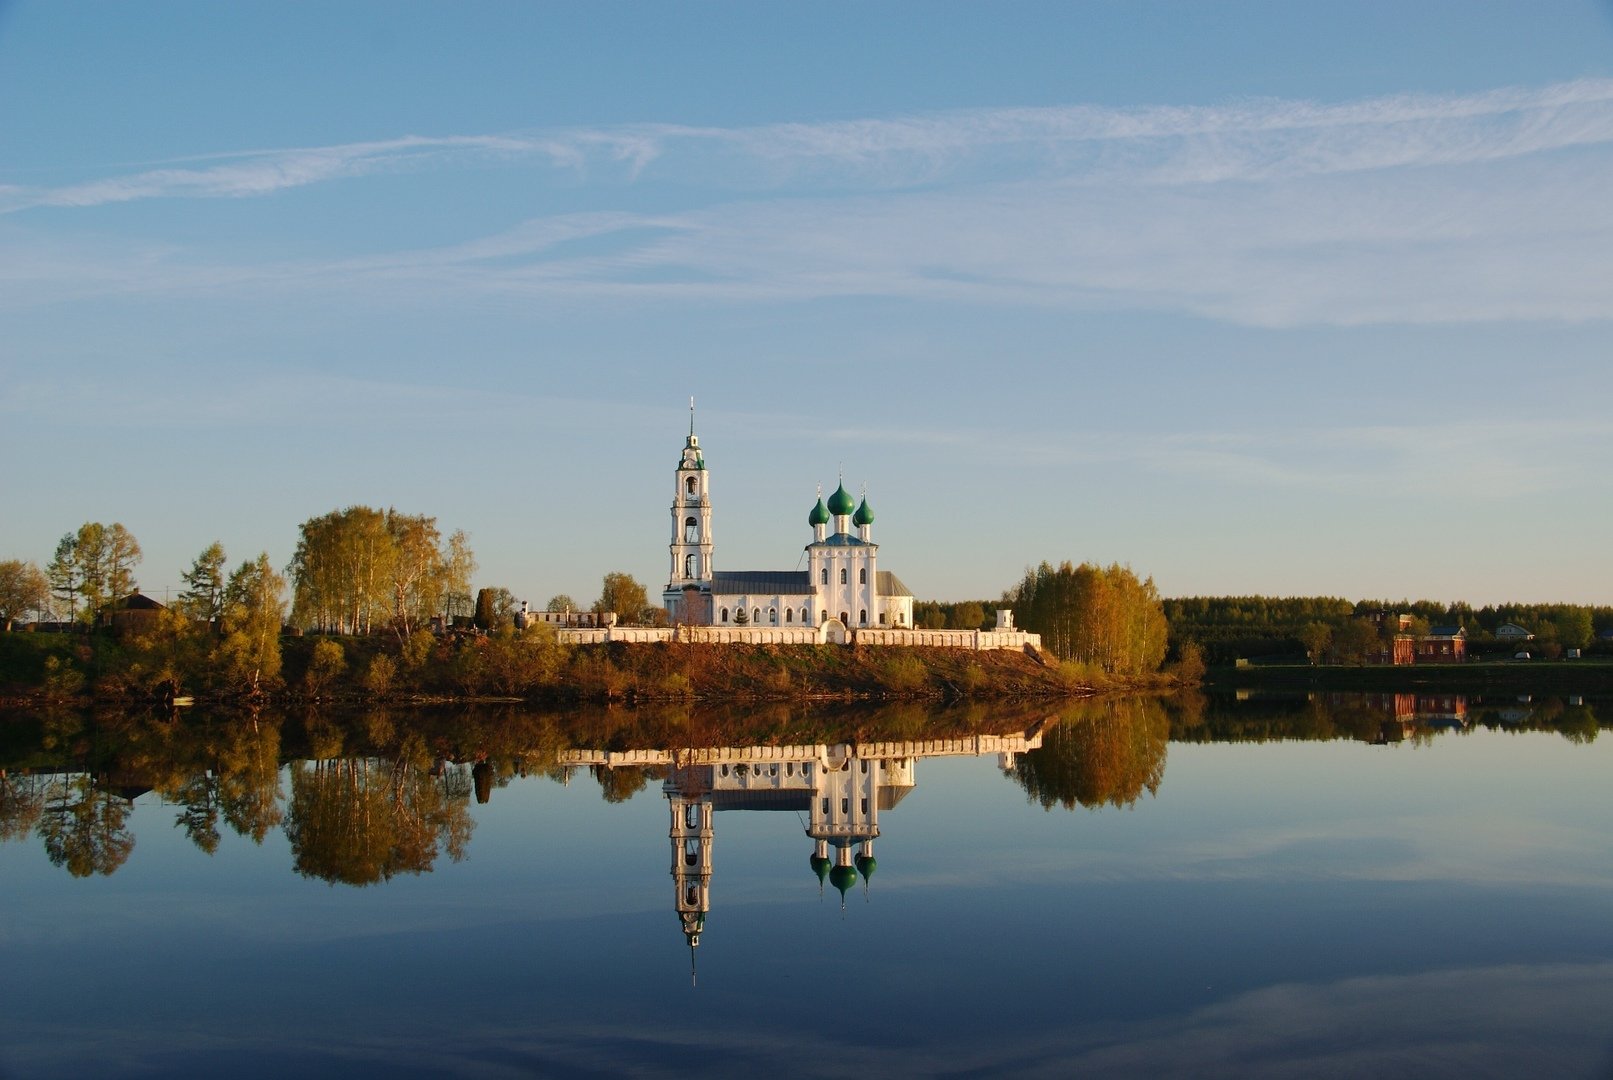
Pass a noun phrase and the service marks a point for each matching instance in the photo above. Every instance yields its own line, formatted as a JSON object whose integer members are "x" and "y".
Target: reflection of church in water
{"x": 839, "y": 791}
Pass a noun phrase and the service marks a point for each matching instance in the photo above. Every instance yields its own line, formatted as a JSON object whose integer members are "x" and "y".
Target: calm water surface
{"x": 1278, "y": 886}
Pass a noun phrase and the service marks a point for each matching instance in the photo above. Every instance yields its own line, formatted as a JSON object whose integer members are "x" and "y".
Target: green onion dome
{"x": 820, "y": 866}
{"x": 866, "y": 866}
{"x": 864, "y": 515}
{"x": 840, "y": 502}
{"x": 842, "y": 878}
{"x": 819, "y": 515}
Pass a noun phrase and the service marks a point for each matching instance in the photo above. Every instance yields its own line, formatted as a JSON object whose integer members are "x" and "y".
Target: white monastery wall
{"x": 975, "y": 640}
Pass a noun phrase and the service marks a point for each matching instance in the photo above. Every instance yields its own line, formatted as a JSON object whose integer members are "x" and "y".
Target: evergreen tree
{"x": 203, "y": 596}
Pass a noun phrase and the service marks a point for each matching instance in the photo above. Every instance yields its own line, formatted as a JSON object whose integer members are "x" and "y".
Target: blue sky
{"x": 1288, "y": 298}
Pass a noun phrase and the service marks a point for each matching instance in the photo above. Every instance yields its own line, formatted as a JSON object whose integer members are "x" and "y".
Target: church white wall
{"x": 975, "y": 640}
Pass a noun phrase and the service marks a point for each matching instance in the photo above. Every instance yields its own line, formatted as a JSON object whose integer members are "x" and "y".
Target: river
{"x": 1257, "y": 885}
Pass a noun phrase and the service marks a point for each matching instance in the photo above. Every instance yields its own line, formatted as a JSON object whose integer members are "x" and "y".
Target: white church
{"x": 841, "y": 598}
{"x": 842, "y": 583}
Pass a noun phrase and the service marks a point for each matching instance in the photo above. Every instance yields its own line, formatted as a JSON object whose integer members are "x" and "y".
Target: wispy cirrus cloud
{"x": 1252, "y": 140}
{"x": 1409, "y": 209}
{"x": 263, "y": 172}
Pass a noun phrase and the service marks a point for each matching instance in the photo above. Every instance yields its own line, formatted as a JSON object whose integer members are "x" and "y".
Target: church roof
{"x": 764, "y": 582}
{"x": 797, "y": 800}
{"x": 842, "y": 540}
{"x": 794, "y": 800}
{"x": 888, "y": 584}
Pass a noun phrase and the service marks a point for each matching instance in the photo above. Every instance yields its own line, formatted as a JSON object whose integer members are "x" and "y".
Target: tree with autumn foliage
{"x": 254, "y": 607}
{"x": 1104, "y": 616}
{"x": 361, "y": 569}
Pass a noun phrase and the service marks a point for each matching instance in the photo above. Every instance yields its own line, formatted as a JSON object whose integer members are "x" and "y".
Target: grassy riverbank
{"x": 532, "y": 667}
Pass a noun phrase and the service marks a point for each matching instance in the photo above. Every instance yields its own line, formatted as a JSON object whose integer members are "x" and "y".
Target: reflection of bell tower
{"x": 691, "y": 517}
{"x": 691, "y": 859}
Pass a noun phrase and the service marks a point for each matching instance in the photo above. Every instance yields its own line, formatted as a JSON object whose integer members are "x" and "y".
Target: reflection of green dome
{"x": 840, "y": 502}
{"x": 819, "y": 515}
{"x": 866, "y": 865}
{"x": 820, "y": 866}
{"x": 864, "y": 515}
{"x": 842, "y": 878}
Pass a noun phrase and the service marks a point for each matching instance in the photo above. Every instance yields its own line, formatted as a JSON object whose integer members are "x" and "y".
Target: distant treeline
{"x": 1230, "y": 627}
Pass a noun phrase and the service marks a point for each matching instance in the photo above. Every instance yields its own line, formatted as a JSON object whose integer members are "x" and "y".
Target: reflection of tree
{"x": 361, "y": 820}
{"x": 1577, "y": 723}
{"x": 1103, "y": 753}
{"x": 228, "y": 771}
{"x": 21, "y": 802}
{"x": 623, "y": 782}
{"x": 84, "y": 828}
{"x": 198, "y": 814}
{"x": 249, "y": 779}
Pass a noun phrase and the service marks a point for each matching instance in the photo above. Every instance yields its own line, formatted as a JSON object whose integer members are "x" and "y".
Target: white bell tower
{"x": 691, "y": 517}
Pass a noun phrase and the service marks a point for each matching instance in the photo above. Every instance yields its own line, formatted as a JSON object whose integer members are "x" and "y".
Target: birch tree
{"x": 254, "y": 610}
{"x": 23, "y": 588}
{"x": 358, "y": 569}
{"x": 1106, "y": 617}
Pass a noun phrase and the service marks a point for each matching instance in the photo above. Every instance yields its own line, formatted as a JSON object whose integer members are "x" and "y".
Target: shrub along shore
{"x": 530, "y": 666}
{"x": 1590, "y": 675}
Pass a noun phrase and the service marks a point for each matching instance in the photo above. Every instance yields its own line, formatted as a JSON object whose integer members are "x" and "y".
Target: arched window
{"x": 688, "y": 485}
{"x": 772, "y": 615}
{"x": 756, "y": 616}
{"x": 690, "y": 567}
{"x": 844, "y": 618}
{"x": 862, "y": 575}
{"x": 805, "y": 616}
{"x": 826, "y": 575}
{"x": 691, "y": 531}
{"x": 724, "y": 614}
{"x": 862, "y": 616}
{"x": 842, "y": 575}
{"x": 789, "y": 615}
